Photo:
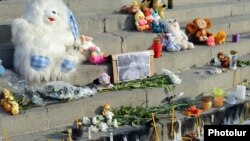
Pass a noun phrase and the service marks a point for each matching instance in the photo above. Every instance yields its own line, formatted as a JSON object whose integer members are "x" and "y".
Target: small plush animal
{"x": 220, "y": 37}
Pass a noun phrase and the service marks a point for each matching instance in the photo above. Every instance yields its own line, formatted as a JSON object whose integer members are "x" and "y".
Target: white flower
{"x": 86, "y": 121}
{"x": 115, "y": 123}
{"x": 95, "y": 120}
{"x": 103, "y": 127}
{"x": 109, "y": 115}
{"x": 100, "y": 117}
{"x": 93, "y": 129}
{"x": 109, "y": 122}
{"x": 174, "y": 78}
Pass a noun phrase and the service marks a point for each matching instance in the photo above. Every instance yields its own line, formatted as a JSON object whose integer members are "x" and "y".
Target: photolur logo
{"x": 214, "y": 132}
{"x": 241, "y": 132}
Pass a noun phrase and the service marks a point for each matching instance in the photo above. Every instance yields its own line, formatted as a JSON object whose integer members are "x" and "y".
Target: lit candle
{"x": 236, "y": 37}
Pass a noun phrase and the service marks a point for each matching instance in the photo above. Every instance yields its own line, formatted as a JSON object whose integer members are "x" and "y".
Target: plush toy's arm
{"x": 198, "y": 34}
{"x": 21, "y": 32}
{"x": 184, "y": 36}
{"x": 209, "y": 34}
{"x": 68, "y": 39}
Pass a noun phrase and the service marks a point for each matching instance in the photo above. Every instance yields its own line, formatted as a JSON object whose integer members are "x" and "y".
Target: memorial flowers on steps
{"x": 101, "y": 122}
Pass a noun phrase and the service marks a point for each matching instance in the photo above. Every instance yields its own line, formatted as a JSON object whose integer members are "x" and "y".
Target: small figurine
{"x": 105, "y": 109}
{"x": 2, "y": 70}
{"x": 224, "y": 60}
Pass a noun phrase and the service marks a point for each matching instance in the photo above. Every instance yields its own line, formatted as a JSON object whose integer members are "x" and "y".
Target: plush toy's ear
{"x": 209, "y": 24}
{"x": 191, "y": 28}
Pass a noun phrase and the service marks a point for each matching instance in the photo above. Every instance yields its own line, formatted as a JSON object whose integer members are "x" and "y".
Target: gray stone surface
{"x": 35, "y": 119}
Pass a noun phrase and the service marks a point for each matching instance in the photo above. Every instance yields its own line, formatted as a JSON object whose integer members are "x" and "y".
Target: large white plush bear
{"x": 173, "y": 27}
{"x": 43, "y": 41}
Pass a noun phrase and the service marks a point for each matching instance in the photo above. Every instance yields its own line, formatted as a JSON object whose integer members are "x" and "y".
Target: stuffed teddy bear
{"x": 198, "y": 30}
{"x": 173, "y": 27}
{"x": 157, "y": 25}
{"x": 168, "y": 43}
{"x": 44, "y": 40}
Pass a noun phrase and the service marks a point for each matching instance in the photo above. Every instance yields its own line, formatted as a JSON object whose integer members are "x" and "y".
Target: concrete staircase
{"x": 115, "y": 33}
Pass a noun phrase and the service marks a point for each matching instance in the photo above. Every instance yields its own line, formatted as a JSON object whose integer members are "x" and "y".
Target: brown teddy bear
{"x": 198, "y": 30}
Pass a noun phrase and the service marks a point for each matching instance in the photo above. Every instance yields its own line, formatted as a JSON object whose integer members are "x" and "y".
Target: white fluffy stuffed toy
{"x": 44, "y": 41}
{"x": 173, "y": 27}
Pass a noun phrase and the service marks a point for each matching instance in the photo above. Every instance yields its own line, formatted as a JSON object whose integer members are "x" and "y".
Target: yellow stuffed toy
{"x": 8, "y": 103}
{"x": 220, "y": 37}
{"x": 141, "y": 22}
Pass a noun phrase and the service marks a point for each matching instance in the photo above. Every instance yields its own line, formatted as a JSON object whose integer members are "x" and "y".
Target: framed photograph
{"x": 132, "y": 66}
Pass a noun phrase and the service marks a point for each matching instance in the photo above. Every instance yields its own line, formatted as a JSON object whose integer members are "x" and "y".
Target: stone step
{"x": 111, "y": 44}
{"x": 144, "y": 133}
{"x": 93, "y": 25}
{"x": 195, "y": 81}
{"x": 183, "y": 12}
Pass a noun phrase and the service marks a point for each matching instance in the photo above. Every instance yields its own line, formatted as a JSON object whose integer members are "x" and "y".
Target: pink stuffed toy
{"x": 90, "y": 50}
{"x": 96, "y": 56}
{"x": 210, "y": 41}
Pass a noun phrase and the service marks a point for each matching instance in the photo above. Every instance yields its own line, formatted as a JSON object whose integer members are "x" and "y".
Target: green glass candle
{"x": 170, "y": 4}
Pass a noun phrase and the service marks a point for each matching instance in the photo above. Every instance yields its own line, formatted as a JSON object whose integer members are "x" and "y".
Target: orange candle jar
{"x": 218, "y": 97}
{"x": 218, "y": 101}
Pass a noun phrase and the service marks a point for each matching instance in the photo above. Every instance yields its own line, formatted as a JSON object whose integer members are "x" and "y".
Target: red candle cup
{"x": 157, "y": 47}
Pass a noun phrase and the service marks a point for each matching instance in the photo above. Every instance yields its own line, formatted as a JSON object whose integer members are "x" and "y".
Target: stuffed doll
{"x": 168, "y": 43}
{"x": 173, "y": 27}
{"x": 44, "y": 41}
{"x": 198, "y": 30}
{"x": 140, "y": 21}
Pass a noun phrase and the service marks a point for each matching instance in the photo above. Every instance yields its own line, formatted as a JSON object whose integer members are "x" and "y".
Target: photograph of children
{"x": 133, "y": 66}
